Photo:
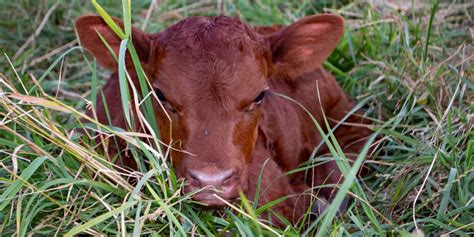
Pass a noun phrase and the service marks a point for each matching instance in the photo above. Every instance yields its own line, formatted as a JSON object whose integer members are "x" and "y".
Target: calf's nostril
{"x": 215, "y": 179}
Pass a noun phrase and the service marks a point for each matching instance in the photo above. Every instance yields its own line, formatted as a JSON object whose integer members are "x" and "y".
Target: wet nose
{"x": 216, "y": 179}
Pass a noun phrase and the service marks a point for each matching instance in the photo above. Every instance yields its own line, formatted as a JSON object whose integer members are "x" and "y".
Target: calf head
{"x": 211, "y": 75}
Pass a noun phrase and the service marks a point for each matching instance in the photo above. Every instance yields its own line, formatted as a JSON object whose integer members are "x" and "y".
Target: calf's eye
{"x": 164, "y": 101}
{"x": 160, "y": 95}
{"x": 259, "y": 98}
{"x": 256, "y": 102}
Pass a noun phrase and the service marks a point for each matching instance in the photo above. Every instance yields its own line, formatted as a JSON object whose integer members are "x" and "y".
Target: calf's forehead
{"x": 210, "y": 77}
{"x": 211, "y": 55}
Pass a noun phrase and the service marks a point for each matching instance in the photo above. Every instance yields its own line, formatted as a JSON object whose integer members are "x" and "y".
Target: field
{"x": 409, "y": 64}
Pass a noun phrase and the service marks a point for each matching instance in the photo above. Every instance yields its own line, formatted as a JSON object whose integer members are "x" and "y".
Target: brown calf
{"x": 217, "y": 78}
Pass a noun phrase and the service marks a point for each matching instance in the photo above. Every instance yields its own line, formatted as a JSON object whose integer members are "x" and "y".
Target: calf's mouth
{"x": 216, "y": 188}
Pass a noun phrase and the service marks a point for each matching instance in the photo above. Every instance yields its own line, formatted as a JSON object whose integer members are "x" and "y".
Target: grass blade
{"x": 81, "y": 228}
{"x": 15, "y": 187}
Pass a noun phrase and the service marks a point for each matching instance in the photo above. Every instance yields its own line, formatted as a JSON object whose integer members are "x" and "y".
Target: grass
{"x": 410, "y": 65}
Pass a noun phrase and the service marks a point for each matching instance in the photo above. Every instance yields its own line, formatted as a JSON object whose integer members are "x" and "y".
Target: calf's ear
{"x": 88, "y": 29}
{"x": 303, "y": 46}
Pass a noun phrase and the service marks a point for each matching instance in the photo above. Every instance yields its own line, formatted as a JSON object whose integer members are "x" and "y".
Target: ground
{"x": 408, "y": 64}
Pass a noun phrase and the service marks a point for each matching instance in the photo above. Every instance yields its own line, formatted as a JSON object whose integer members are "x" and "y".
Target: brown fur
{"x": 210, "y": 69}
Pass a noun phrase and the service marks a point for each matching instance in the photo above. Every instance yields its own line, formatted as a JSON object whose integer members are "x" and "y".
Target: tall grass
{"x": 408, "y": 64}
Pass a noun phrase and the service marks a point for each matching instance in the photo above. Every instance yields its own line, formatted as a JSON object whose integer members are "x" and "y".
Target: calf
{"x": 217, "y": 79}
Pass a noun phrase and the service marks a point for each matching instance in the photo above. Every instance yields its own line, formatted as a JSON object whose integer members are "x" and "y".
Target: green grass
{"x": 410, "y": 66}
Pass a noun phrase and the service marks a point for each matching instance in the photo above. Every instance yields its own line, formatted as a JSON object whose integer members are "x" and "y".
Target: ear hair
{"x": 303, "y": 46}
{"x": 267, "y": 30}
